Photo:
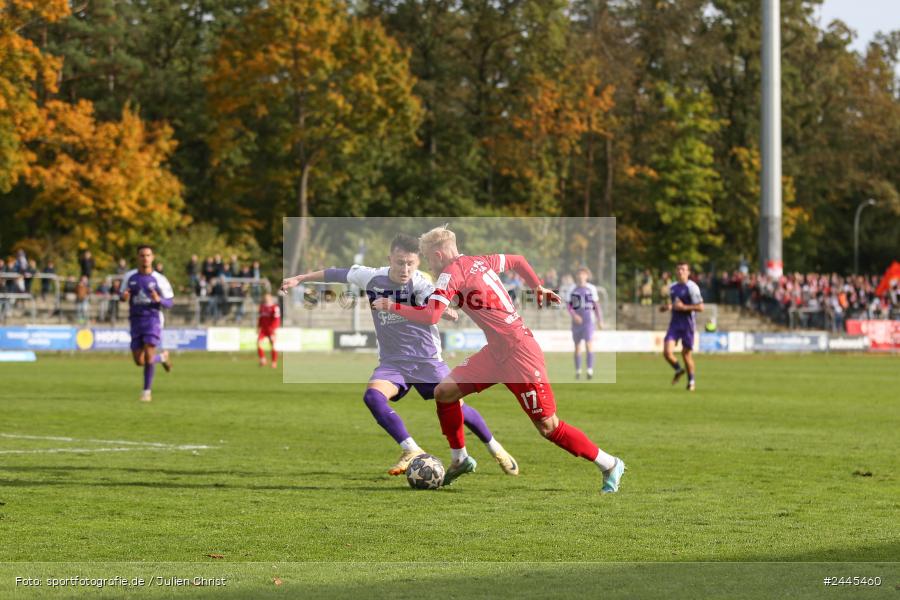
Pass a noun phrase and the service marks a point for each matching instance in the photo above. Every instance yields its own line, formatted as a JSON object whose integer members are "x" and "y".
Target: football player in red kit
{"x": 511, "y": 356}
{"x": 269, "y": 321}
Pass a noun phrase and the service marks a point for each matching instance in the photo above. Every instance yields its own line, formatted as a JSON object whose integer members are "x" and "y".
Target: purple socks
{"x": 475, "y": 422}
{"x": 385, "y": 415}
{"x": 391, "y": 422}
{"x": 149, "y": 370}
{"x": 590, "y": 360}
{"x": 577, "y": 362}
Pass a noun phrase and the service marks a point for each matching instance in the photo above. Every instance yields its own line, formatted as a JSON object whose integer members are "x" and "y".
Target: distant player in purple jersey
{"x": 409, "y": 353}
{"x": 147, "y": 292}
{"x": 684, "y": 301}
{"x": 584, "y": 307}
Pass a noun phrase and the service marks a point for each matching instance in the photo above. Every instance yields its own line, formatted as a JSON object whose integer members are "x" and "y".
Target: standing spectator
{"x": 159, "y": 268}
{"x": 836, "y": 313}
{"x": 219, "y": 265}
{"x": 551, "y": 280}
{"x": 209, "y": 269}
{"x": 238, "y": 290}
{"x": 192, "y": 270}
{"x": 14, "y": 284}
{"x": 257, "y": 272}
{"x": 49, "y": 269}
{"x": 115, "y": 292}
{"x": 235, "y": 265}
{"x": 121, "y": 266}
{"x": 87, "y": 264}
{"x": 21, "y": 261}
{"x": 646, "y": 288}
{"x": 29, "y": 273}
{"x": 665, "y": 282}
{"x": 82, "y": 299}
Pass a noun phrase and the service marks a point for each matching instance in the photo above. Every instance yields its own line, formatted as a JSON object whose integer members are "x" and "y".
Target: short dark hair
{"x": 142, "y": 246}
{"x": 404, "y": 242}
{"x": 683, "y": 262}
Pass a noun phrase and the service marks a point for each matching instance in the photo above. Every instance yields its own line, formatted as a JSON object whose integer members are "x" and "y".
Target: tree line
{"x": 130, "y": 120}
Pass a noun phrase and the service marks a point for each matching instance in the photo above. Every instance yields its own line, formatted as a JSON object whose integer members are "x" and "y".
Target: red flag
{"x": 891, "y": 275}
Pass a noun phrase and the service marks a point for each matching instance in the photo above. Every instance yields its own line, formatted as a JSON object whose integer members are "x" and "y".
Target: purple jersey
{"x": 398, "y": 338}
{"x": 145, "y": 314}
{"x": 688, "y": 293}
{"x": 583, "y": 301}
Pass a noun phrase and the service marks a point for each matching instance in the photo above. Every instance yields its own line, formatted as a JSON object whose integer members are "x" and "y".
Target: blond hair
{"x": 437, "y": 238}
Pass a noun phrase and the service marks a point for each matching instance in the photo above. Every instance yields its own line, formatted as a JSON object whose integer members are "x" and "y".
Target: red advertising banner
{"x": 884, "y": 335}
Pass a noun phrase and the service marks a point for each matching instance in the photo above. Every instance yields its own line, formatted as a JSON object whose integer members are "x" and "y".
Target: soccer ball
{"x": 425, "y": 472}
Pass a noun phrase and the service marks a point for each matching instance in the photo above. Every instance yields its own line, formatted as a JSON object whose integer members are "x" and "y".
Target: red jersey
{"x": 269, "y": 317}
{"x": 473, "y": 283}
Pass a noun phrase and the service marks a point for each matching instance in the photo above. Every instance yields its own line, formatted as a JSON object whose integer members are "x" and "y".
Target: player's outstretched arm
{"x": 520, "y": 265}
{"x": 296, "y": 280}
{"x": 429, "y": 314}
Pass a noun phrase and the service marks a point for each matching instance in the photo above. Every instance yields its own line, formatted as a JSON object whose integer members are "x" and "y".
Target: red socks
{"x": 574, "y": 441}
{"x": 451, "y": 417}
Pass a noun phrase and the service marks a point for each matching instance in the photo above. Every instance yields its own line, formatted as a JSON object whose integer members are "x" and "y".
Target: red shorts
{"x": 266, "y": 333}
{"x": 523, "y": 372}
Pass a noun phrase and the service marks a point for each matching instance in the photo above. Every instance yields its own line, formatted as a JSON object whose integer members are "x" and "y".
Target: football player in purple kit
{"x": 147, "y": 292}
{"x": 584, "y": 307}
{"x": 409, "y": 353}
{"x": 684, "y": 301}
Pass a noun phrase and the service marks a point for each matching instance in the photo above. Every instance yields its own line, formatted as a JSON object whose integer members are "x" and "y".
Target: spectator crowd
{"x": 219, "y": 286}
{"x": 796, "y": 300}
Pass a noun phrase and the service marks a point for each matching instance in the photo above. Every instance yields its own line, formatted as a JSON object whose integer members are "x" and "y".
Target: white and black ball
{"x": 425, "y": 472}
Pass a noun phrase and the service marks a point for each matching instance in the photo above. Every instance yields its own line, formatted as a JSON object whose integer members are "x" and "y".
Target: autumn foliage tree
{"x": 23, "y": 71}
{"x": 102, "y": 185}
{"x": 83, "y": 182}
{"x": 302, "y": 87}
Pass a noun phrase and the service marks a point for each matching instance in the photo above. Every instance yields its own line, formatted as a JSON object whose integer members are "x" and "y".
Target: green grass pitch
{"x": 781, "y": 470}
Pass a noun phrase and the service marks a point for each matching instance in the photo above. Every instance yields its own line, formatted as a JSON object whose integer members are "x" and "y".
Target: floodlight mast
{"x": 770, "y": 144}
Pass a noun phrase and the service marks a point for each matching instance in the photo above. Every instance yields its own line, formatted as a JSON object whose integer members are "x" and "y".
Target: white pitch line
{"x": 14, "y": 436}
{"x": 84, "y": 450}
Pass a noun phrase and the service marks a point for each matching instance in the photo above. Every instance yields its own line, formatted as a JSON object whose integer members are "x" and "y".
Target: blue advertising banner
{"x": 110, "y": 339}
{"x": 787, "y": 342}
{"x": 713, "y": 342}
{"x": 17, "y": 356}
{"x": 184, "y": 339}
{"x": 120, "y": 339}
{"x": 464, "y": 339}
{"x": 37, "y": 338}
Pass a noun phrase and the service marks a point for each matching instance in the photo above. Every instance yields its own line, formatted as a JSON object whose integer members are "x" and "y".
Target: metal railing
{"x": 9, "y": 299}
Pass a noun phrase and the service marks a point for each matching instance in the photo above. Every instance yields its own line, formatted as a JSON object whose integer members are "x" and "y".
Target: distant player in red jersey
{"x": 511, "y": 356}
{"x": 269, "y": 321}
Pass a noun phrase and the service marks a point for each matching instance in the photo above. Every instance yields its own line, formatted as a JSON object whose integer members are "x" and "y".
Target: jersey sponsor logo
{"x": 478, "y": 266}
{"x": 443, "y": 281}
{"x": 389, "y": 318}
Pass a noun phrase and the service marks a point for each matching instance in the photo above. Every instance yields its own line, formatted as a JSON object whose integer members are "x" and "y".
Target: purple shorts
{"x": 685, "y": 334}
{"x": 584, "y": 332}
{"x": 423, "y": 374}
{"x": 145, "y": 334}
